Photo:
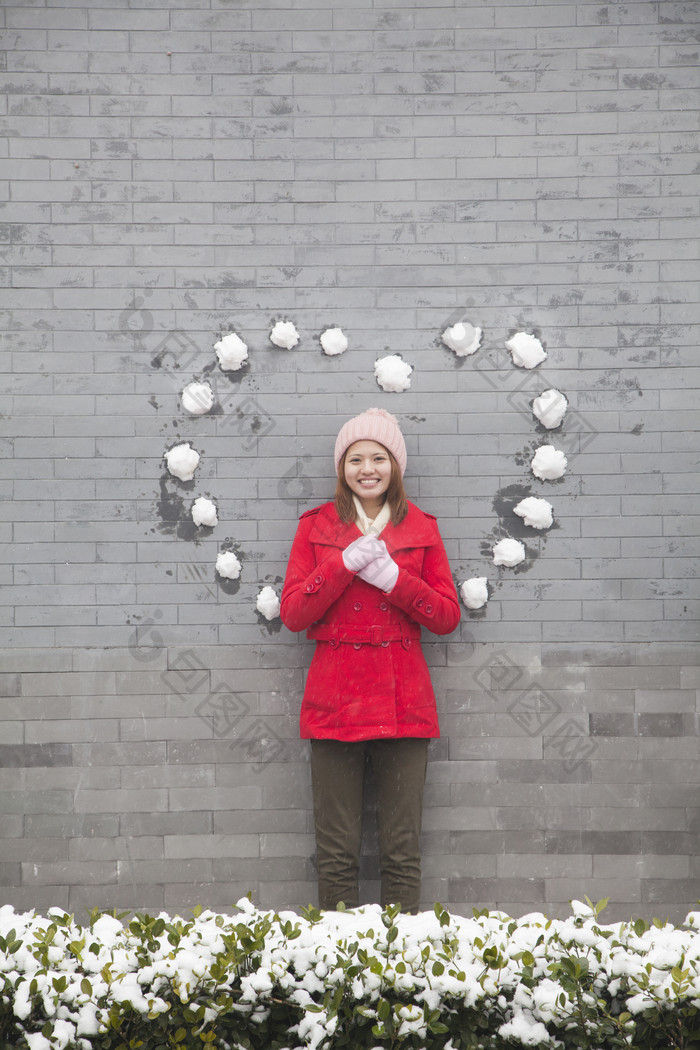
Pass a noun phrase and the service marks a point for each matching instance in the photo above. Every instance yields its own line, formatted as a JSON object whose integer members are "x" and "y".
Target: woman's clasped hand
{"x": 370, "y": 559}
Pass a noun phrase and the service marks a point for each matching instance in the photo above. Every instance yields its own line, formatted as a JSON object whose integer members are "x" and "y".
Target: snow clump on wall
{"x": 284, "y": 335}
{"x": 464, "y": 339}
{"x": 527, "y": 351}
{"x": 268, "y": 603}
{"x": 182, "y": 461}
{"x": 392, "y": 373}
{"x": 537, "y": 513}
{"x": 550, "y": 408}
{"x": 197, "y": 398}
{"x": 204, "y": 512}
{"x": 232, "y": 352}
{"x": 474, "y": 592}
{"x": 228, "y": 565}
{"x": 508, "y": 552}
{"x": 548, "y": 463}
{"x": 334, "y": 341}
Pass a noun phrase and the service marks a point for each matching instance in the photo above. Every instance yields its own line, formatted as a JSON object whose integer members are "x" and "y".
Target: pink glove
{"x": 361, "y": 552}
{"x": 382, "y": 572}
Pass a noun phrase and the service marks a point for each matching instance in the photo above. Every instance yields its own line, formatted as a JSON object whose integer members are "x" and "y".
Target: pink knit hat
{"x": 373, "y": 425}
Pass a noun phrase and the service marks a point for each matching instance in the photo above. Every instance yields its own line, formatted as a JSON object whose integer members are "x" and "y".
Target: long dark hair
{"x": 395, "y": 494}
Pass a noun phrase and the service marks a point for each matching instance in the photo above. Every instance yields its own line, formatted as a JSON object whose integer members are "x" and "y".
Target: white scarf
{"x": 369, "y": 526}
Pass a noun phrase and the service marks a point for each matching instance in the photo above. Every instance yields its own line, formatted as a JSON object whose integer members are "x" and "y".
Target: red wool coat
{"x": 368, "y": 676}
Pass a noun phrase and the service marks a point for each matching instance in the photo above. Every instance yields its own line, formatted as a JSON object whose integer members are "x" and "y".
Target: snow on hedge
{"x": 366, "y": 978}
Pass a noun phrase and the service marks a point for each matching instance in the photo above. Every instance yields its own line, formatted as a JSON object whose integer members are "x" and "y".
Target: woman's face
{"x": 368, "y": 471}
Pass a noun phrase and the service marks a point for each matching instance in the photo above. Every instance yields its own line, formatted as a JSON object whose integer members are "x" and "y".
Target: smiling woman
{"x": 365, "y": 573}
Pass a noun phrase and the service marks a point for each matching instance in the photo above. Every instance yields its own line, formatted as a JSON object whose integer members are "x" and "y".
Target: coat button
{"x": 384, "y": 645}
{"x": 428, "y": 609}
{"x": 309, "y": 588}
{"x": 357, "y": 645}
{"x": 318, "y": 579}
{"x": 357, "y": 606}
{"x": 383, "y": 606}
{"x": 419, "y": 603}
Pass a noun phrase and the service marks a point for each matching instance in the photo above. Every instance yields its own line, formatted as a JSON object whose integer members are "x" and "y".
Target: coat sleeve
{"x": 430, "y": 599}
{"x": 311, "y": 586}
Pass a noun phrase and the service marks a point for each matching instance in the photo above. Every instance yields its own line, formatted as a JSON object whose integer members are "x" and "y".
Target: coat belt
{"x": 377, "y": 634}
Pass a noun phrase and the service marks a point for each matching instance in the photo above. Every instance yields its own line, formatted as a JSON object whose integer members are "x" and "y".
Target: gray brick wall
{"x": 172, "y": 173}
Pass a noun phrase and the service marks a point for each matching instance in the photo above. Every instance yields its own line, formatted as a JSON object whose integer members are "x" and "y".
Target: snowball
{"x": 508, "y": 552}
{"x": 474, "y": 592}
{"x": 334, "y": 341}
{"x": 232, "y": 352}
{"x": 182, "y": 461}
{"x": 535, "y": 512}
{"x": 464, "y": 339}
{"x": 228, "y": 565}
{"x": 392, "y": 373}
{"x": 581, "y": 910}
{"x": 36, "y": 1041}
{"x": 268, "y": 603}
{"x": 204, "y": 512}
{"x": 550, "y": 408}
{"x": 526, "y": 1030}
{"x": 527, "y": 351}
{"x": 197, "y": 398}
{"x": 107, "y": 929}
{"x": 548, "y": 463}
{"x": 284, "y": 335}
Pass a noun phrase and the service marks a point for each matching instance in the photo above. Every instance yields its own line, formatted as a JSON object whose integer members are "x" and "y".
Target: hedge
{"x": 366, "y": 978}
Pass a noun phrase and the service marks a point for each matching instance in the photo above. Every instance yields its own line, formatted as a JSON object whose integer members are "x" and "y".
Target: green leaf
{"x": 383, "y": 1009}
{"x": 85, "y": 986}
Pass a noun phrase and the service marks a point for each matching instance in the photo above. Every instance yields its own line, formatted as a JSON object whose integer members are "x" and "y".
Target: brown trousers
{"x": 337, "y": 778}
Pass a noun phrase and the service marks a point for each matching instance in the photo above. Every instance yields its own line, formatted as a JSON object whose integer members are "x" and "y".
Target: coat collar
{"x": 416, "y": 530}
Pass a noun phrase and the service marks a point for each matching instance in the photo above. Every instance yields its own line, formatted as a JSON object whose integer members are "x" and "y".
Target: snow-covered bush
{"x": 368, "y": 978}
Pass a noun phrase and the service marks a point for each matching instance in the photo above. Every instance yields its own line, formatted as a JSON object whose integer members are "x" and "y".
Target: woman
{"x": 365, "y": 572}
